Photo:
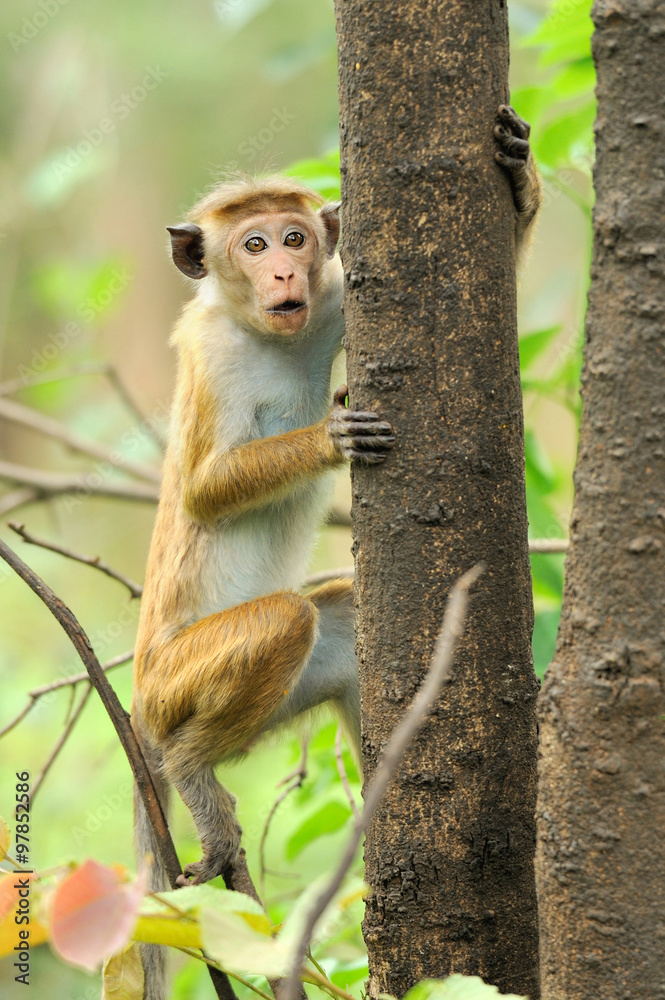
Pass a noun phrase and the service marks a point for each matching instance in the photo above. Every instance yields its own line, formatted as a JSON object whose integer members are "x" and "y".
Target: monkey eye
{"x": 294, "y": 239}
{"x": 256, "y": 244}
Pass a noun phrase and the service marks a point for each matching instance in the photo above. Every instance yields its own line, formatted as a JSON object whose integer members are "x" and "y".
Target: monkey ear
{"x": 187, "y": 249}
{"x": 329, "y": 215}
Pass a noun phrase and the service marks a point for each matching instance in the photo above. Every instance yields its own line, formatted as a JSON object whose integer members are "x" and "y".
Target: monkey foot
{"x": 214, "y": 862}
{"x": 204, "y": 870}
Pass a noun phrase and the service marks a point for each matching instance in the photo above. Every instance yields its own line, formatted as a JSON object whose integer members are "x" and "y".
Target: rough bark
{"x": 601, "y": 850}
{"x": 432, "y": 346}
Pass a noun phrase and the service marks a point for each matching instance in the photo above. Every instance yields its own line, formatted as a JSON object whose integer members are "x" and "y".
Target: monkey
{"x": 228, "y": 648}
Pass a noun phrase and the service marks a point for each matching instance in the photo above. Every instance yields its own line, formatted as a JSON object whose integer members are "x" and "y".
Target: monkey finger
{"x": 516, "y": 124}
{"x": 509, "y": 162}
{"x": 511, "y": 144}
{"x": 364, "y": 427}
{"x": 359, "y": 415}
{"x": 371, "y": 443}
{"x": 368, "y": 457}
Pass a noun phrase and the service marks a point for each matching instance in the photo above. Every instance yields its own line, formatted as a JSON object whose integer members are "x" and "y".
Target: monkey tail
{"x": 153, "y": 957}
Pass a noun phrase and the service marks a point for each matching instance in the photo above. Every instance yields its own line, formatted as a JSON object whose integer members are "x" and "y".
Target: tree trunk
{"x": 601, "y": 851}
{"x": 432, "y": 346}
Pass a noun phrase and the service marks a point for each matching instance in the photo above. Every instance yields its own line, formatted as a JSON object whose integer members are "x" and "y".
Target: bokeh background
{"x": 114, "y": 118}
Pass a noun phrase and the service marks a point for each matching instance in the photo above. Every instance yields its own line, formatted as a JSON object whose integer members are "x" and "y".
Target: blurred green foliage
{"x": 93, "y": 165}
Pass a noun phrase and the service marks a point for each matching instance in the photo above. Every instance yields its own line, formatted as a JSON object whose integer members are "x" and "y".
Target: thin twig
{"x": 296, "y": 779}
{"x": 59, "y": 375}
{"x": 438, "y": 673}
{"x": 117, "y": 661}
{"x": 26, "y": 416}
{"x": 120, "y": 719}
{"x": 86, "y": 368}
{"x": 341, "y": 770}
{"x": 37, "y": 693}
{"x": 73, "y": 719}
{"x": 547, "y": 546}
{"x": 537, "y": 546}
{"x": 19, "y": 718}
{"x": 342, "y": 572}
{"x": 215, "y": 965}
{"x": 135, "y": 589}
{"x": 87, "y": 483}
{"x": 316, "y": 979}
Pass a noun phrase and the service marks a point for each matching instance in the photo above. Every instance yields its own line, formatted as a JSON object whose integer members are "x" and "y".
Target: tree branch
{"x": 547, "y": 546}
{"x": 341, "y": 770}
{"x": 120, "y": 719}
{"x": 37, "y": 693}
{"x": 25, "y": 416}
{"x": 73, "y": 719}
{"x": 439, "y": 672}
{"x": 87, "y": 368}
{"x": 18, "y": 498}
{"x": 49, "y": 484}
{"x": 293, "y": 781}
{"x": 135, "y": 589}
{"x": 117, "y": 661}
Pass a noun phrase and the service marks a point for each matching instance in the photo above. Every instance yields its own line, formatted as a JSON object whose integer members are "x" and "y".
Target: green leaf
{"x": 575, "y": 79}
{"x": 533, "y": 344}
{"x": 238, "y": 936}
{"x": 328, "y": 819}
{"x": 544, "y": 638}
{"x": 456, "y": 988}
{"x": 321, "y": 174}
{"x": 52, "y": 182}
{"x": 566, "y": 33}
{"x": 347, "y": 973}
{"x": 538, "y": 466}
{"x": 80, "y": 290}
{"x": 568, "y": 139}
{"x": 531, "y": 102}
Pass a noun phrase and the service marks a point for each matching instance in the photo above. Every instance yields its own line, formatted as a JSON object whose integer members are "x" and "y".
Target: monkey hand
{"x": 217, "y": 856}
{"x": 515, "y": 156}
{"x": 357, "y": 433}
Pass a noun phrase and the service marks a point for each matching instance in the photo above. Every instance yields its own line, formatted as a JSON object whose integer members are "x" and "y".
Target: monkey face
{"x": 278, "y": 255}
{"x": 264, "y": 252}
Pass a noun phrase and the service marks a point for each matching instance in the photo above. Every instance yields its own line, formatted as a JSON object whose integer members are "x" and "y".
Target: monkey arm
{"x": 254, "y": 473}
{"x": 264, "y": 469}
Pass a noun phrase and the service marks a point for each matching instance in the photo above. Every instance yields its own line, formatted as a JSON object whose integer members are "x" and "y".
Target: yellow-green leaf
{"x": 5, "y": 838}
{"x": 168, "y": 928}
{"x": 122, "y": 977}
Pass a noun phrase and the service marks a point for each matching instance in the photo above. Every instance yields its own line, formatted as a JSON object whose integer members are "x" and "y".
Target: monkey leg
{"x": 331, "y": 672}
{"x": 221, "y": 679}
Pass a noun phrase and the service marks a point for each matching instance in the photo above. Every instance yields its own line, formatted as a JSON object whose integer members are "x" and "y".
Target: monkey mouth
{"x": 287, "y": 308}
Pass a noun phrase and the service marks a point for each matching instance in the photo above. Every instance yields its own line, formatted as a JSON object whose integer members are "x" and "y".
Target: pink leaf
{"x": 93, "y": 914}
